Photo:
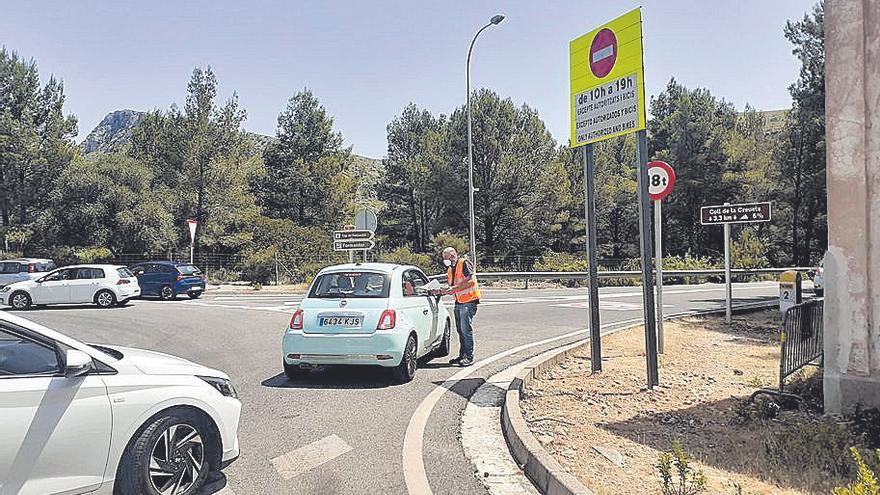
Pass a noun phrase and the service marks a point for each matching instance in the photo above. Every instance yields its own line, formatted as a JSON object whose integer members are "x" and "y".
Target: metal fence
{"x": 801, "y": 337}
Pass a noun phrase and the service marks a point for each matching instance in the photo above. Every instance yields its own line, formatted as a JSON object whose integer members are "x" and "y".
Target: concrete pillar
{"x": 852, "y": 263}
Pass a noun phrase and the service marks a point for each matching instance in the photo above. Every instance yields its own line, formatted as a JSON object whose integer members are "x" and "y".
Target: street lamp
{"x": 496, "y": 19}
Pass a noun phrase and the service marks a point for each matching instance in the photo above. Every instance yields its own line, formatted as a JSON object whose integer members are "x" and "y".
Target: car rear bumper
{"x": 376, "y": 349}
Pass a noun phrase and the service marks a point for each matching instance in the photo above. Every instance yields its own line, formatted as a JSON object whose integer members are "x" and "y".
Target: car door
{"x": 55, "y": 436}
{"x": 416, "y": 308}
{"x": 53, "y": 288}
{"x": 84, "y": 284}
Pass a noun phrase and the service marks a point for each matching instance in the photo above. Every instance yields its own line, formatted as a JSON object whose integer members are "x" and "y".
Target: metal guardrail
{"x": 624, "y": 274}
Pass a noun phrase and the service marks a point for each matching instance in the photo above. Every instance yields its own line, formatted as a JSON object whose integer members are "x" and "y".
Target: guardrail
{"x": 625, "y": 274}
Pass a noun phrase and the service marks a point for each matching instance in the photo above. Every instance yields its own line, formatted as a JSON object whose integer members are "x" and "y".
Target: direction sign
{"x": 354, "y": 245}
{"x": 741, "y": 213}
{"x": 661, "y": 178}
{"x": 340, "y": 235}
{"x": 607, "y": 81}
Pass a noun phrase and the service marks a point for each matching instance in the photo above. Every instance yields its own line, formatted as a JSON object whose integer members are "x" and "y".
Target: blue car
{"x": 167, "y": 279}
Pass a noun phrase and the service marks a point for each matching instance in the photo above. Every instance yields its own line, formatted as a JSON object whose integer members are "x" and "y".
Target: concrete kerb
{"x": 539, "y": 466}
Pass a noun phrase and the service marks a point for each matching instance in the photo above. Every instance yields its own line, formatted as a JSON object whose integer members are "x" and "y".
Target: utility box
{"x": 789, "y": 289}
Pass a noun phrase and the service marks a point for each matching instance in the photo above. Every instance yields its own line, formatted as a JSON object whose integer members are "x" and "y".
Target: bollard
{"x": 789, "y": 290}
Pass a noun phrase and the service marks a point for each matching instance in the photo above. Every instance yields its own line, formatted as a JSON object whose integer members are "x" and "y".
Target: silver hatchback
{"x": 21, "y": 269}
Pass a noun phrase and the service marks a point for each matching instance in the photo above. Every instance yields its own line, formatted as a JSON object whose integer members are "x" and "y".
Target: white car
{"x": 367, "y": 314}
{"x": 104, "y": 285}
{"x": 77, "y": 418}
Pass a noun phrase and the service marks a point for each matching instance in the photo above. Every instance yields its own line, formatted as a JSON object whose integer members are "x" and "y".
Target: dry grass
{"x": 708, "y": 369}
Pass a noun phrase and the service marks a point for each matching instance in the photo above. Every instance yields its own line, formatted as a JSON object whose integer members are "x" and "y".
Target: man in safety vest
{"x": 462, "y": 285}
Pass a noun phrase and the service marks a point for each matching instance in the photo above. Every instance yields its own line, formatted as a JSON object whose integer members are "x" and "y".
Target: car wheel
{"x": 194, "y": 295}
{"x": 294, "y": 372}
{"x": 105, "y": 299}
{"x": 167, "y": 293}
{"x": 168, "y": 457}
{"x": 406, "y": 370}
{"x": 20, "y": 301}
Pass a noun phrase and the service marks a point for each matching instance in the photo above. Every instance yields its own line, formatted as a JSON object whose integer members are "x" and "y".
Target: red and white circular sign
{"x": 661, "y": 178}
{"x": 603, "y": 52}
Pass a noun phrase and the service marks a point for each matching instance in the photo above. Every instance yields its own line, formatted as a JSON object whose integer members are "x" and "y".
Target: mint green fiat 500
{"x": 367, "y": 314}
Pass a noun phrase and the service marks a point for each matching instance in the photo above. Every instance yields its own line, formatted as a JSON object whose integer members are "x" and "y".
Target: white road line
{"x": 413, "y": 460}
{"x": 303, "y": 459}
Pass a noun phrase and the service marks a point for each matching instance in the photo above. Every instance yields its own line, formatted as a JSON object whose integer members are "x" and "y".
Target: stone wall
{"x": 852, "y": 264}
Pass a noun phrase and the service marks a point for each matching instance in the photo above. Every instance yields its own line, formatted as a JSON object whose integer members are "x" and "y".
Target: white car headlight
{"x": 222, "y": 385}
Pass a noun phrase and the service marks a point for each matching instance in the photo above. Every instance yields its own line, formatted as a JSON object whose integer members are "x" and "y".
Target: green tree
{"x": 800, "y": 153}
{"x": 108, "y": 200}
{"x": 416, "y": 171}
{"x": 35, "y": 138}
{"x": 206, "y": 159}
{"x": 511, "y": 147}
{"x": 308, "y": 177}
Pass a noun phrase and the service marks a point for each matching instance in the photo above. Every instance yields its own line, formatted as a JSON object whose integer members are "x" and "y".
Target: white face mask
{"x": 447, "y": 262}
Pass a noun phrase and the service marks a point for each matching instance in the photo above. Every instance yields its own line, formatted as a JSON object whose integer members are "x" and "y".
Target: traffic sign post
{"x": 727, "y": 214}
{"x": 607, "y": 99}
{"x": 661, "y": 178}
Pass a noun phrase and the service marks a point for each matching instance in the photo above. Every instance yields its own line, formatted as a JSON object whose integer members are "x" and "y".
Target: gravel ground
{"x": 708, "y": 369}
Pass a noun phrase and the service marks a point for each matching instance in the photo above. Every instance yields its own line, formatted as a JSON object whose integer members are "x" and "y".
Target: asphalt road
{"x": 356, "y": 416}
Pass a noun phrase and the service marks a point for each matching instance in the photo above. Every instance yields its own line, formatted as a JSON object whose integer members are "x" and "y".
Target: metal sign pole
{"x": 658, "y": 259}
{"x": 592, "y": 257}
{"x": 647, "y": 254}
{"x": 728, "y": 290}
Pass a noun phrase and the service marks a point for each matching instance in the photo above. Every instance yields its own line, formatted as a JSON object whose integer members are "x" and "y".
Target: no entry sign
{"x": 661, "y": 178}
{"x": 607, "y": 81}
{"x": 603, "y": 52}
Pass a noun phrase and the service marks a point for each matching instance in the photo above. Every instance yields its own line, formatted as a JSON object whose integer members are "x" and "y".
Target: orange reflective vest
{"x": 469, "y": 292}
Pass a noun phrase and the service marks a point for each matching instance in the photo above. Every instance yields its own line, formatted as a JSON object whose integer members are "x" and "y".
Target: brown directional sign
{"x": 342, "y": 235}
{"x": 353, "y": 245}
{"x": 740, "y": 213}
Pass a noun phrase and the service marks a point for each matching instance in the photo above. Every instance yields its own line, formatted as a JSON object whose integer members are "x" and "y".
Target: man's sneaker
{"x": 456, "y": 360}
{"x": 465, "y": 361}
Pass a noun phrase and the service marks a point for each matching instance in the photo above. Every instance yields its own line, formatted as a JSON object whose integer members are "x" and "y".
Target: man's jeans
{"x": 464, "y": 317}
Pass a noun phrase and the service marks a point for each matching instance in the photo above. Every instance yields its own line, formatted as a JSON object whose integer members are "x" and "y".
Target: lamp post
{"x": 496, "y": 19}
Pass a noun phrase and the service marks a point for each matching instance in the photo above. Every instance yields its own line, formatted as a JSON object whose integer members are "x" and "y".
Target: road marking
{"x": 303, "y": 459}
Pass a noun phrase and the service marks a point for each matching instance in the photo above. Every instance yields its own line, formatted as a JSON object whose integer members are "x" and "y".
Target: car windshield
{"x": 10, "y": 267}
{"x": 353, "y": 284}
{"x": 124, "y": 273}
{"x": 188, "y": 270}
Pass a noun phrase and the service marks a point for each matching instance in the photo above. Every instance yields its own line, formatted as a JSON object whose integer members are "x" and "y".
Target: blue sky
{"x": 365, "y": 60}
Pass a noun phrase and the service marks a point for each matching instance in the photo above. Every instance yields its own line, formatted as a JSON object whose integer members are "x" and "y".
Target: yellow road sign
{"x": 607, "y": 81}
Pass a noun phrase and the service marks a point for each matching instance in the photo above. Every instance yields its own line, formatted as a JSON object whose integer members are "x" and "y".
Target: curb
{"x": 540, "y": 467}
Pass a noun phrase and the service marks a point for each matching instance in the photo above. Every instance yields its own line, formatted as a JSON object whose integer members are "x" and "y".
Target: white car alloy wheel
{"x": 105, "y": 299}
{"x": 177, "y": 460}
{"x": 20, "y": 300}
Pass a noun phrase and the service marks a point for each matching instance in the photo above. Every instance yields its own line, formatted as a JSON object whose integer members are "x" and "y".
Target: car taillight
{"x": 123, "y": 281}
{"x": 32, "y": 268}
{"x": 296, "y": 321}
{"x": 387, "y": 320}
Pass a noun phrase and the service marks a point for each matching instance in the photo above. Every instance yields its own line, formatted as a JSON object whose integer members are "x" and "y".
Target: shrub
{"x": 866, "y": 482}
{"x": 677, "y": 477}
{"x": 405, "y": 256}
{"x": 821, "y": 445}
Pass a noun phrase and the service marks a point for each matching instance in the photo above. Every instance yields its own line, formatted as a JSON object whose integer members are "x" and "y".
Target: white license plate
{"x": 340, "y": 321}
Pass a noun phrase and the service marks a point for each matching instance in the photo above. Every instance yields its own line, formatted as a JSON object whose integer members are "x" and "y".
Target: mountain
{"x": 113, "y": 133}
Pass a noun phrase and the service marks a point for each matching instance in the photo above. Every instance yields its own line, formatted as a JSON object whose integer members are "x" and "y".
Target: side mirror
{"x": 77, "y": 363}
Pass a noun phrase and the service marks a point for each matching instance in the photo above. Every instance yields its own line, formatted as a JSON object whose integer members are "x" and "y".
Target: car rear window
{"x": 124, "y": 273}
{"x": 188, "y": 270}
{"x": 354, "y": 284}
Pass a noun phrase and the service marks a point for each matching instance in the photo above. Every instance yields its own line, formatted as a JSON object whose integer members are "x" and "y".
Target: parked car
{"x": 819, "y": 280}
{"x": 367, "y": 314}
{"x": 81, "y": 418}
{"x": 21, "y": 269}
{"x": 104, "y": 285}
{"x": 167, "y": 279}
